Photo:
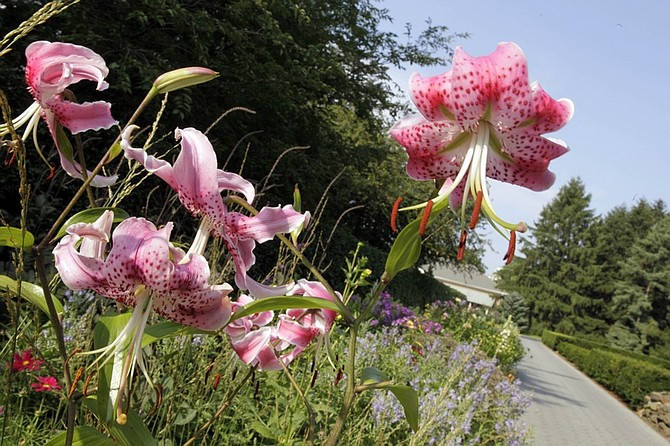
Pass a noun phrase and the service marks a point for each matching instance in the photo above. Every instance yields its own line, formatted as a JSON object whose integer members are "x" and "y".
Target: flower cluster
{"x": 388, "y": 313}
{"x": 259, "y": 342}
{"x": 144, "y": 269}
{"x": 26, "y": 362}
{"x": 463, "y": 397}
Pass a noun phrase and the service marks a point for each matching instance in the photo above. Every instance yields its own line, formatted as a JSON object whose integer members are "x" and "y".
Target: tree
{"x": 555, "y": 276}
{"x": 642, "y": 295}
{"x": 315, "y": 74}
{"x": 616, "y": 236}
{"x": 515, "y": 306}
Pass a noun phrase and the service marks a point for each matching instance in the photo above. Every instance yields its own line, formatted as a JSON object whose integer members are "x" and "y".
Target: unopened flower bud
{"x": 182, "y": 78}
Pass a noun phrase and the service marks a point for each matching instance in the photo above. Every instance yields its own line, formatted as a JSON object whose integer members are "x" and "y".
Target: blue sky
{"x": 613, "y": 62}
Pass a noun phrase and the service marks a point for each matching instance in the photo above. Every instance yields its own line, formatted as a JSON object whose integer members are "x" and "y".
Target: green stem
{"x": 61, "y": 218}
{"x": 350, "y": 390}
{"x": 301, "y": 394}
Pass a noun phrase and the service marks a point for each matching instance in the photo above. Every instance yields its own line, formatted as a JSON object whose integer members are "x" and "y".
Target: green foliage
{"x": 15, "y": 238}
{"x": 514, "y": 306}
{"x": 642, "y": 295}
{"x": 416, "y": 289}
{"x": 325, "y": 66}
{"x": 556, "y": 275}
{"x": 553, "y": 339}
{"x": 629, "y": 378}
{"x": 471, "y": 324}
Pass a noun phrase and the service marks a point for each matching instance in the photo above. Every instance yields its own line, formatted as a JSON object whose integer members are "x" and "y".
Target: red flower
{"x": 25, "y": 361}
{"x": 45, "y": 384}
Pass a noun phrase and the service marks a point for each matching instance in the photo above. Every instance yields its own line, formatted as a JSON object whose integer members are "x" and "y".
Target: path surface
{"x": 569, "y": 409}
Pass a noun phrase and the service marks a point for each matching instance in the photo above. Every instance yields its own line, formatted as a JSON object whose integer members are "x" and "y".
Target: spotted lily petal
{"x": 483, "y": 119}
{"x": 50, "y": 69}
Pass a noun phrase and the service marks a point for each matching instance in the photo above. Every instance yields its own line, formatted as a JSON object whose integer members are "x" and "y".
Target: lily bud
{"x": 182, "y": 78}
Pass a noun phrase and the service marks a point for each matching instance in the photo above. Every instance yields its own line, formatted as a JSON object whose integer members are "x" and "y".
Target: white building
{"x": 477, "y": 288}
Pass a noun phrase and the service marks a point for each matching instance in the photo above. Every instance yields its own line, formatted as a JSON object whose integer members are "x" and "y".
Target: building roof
{"x": 477, "y": 288}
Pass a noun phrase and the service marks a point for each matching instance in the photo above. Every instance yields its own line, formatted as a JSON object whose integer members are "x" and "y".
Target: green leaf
{"x": 30, "y": 292}
{"x": 89, "y": 216}
{"x": 83, "y": 436}
{"x": 133, "y": 432}
{"x": 263, "y": 430}
{"x": 405, "y": 251}
{"x": 407, "y": 396}
{"x": 409, "y": 400}
{"x": 64, "y": 144}
{"x": 372, "y": 375}
{"x": 283, "y": 303}
{"x": 12, "y": 237}
{"x": 166, "y": 329}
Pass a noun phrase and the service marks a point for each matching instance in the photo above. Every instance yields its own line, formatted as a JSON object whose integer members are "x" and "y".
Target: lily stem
{"x": 301, "y": 394}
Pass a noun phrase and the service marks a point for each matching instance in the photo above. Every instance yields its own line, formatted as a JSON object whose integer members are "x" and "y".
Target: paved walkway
{"x": 569, "y": 409}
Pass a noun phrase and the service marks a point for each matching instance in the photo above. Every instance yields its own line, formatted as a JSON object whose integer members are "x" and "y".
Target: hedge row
{"x": 630, "y": 375}
{"x": 631, "y": 379}
{"x": 552, "y": 339}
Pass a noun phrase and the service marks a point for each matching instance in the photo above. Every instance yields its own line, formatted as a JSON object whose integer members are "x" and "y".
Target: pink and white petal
{"x": 235, "y": 183}
{"x": 190, "y": 273}
{"x": 140, "y": 254}
{"x": 535, "y": 180}
{"x": 550, "y": 114}
{"x": 81, "y": 117}
{"x": 534, "y": 151}
{"x": 429, "y": 95}
{"x": 422, "y": 138}
{"x": 509, "y": 92}
{"x": 74, "y": 170}
{"x": 259, "y": 291}
{"x": 256, "y": 319}
{"x": 267, "y": 360}
{"x": 159, "y": 167}
{"x": 295, "y": 333}
{"x": 439, "y": 167}
{"x": 94, "y": 244}
{"x": 206, "y": 309}
{"x": 198, "y": 176}
{"x": 77, "y": 271}
{"x": 250, "y": 346}
{"x": 52, "y": 67}
{"x": 266, "y": 224}
{"x": 153, "y": 260}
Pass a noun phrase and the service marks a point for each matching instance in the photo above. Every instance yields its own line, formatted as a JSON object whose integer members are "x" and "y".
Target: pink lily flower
{"x": 50, "y": 69}
{"x": 199, "y": 183}
{"x": 268, "y": 346}
{"x": 482, "y": 119}
{"x": 142, "y": 270}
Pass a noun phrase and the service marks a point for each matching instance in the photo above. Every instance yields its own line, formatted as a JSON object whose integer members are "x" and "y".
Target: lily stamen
{"x": 476, "y": 210}
{"x": 394, "y": 214}
{"x": 425, "y": 218}
{"x": 461, "y": 245}
{"x": 509, "y": 256}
